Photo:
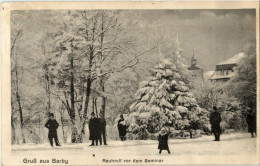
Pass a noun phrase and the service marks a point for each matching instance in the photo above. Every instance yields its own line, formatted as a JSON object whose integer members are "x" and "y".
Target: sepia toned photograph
{"x": 131, "y": 86}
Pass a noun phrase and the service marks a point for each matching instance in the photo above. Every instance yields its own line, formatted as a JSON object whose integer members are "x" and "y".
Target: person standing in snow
{"x": 215, "y": 120}
{"x": 163, "y": 140}
{"x": 93, "y": 129}
{"x": 251, "y": 122}
{"x": 121, "y": 128}
{"x": 102, "y": 129}
{"x": 52, "y": 125}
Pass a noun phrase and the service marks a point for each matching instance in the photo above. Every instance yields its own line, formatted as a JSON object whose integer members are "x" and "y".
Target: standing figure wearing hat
{"x": 215, "y": 120}
{"x": 52, "y": 125}
{"x": 93, "y": 129}
{"x": 121, "y": 128}
{"x": 163, "y": 140}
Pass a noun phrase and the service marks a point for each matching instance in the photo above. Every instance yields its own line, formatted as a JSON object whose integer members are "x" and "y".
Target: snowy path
{"x": 236, "y": 148}
{"x": 233, "y": 144}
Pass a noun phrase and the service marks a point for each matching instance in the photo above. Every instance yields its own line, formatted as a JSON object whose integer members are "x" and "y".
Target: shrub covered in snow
{"x": 233, "y": 111}
{"x": 161, "y": 99}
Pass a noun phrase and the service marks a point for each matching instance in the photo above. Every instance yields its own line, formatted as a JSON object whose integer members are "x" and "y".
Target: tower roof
{"x": 193, "y": 56}
{"x": 194, "y": 65}
{"x": 233, "y": 60}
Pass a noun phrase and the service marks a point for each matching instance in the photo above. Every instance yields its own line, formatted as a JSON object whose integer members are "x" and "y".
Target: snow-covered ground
{"x": 232, "y": 146}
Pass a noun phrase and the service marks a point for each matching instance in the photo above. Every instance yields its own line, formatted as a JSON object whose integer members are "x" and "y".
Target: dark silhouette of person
{"x": 215, "y": 120}
{"x": 192, "y": 128}
{"x": 93, "y": 129}
{"x": 102, "y": 129}
{"x": 52, "y": 125}
{"x": 251, "y": 122}
{"x": 163, "y": 140}
{"x": 122, "y": 128}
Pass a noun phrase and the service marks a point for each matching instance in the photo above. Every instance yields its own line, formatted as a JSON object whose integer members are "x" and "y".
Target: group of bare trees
{"x": 15, "y": 80}
{"x": 75, "y": 64}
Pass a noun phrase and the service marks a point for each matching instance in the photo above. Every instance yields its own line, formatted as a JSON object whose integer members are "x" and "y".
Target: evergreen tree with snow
{"x": 164, "y": 99}
{"x": 173, "y": 50}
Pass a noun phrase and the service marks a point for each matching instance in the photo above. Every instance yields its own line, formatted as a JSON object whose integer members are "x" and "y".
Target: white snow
{"x": 208, "y": 74}
{"x": 230, "y": 144}
{"x": 233, "y": 60}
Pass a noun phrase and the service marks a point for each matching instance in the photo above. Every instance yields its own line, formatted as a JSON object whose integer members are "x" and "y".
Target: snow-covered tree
{"x": 177, "y": 57}
{"x": 161, "y": 99}
{"x": 243, "y": 84}
{"x": 209, "y": 94}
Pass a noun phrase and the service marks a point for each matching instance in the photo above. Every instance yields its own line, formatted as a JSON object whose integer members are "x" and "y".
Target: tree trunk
{"x": 88, "y": 91}
{"x": 87, "y": 98}
{"x": 19, "y": 99}
{"x": 81, "y": 93}
{"x": 102, "y": 84}
{"x": 62, "y": 127}
{"x": 48, "y": 90}
{"x": 13, "y": 45}
{"x": 95, "y": 105}
{"x": 72, "y": 91}
{"x": 74, "y": 132}
{"x": 13, "y": 141}
{"x": 19, "y": 104}
{"x": 20, "y": 108}
{"x": 89, "y": 79}
{"x": 47, "y": 79}
{"x": 85, "y": 116}
{"x": 103, "y": 102}
{"x": 39, "y": 128}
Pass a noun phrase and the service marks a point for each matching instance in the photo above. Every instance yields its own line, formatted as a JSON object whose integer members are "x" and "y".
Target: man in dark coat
{"x": 52, "y": 125}
{"x": 163, "y": 140}
{"x": 215, "y": 120}
{"x": 121, "y": 128}
{"x": 102, "y": 129}
{"x": 251, "y": 122}
{"x": 93, "y": 129}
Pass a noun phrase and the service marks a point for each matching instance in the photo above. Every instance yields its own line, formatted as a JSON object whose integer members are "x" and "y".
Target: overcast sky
{"x": 214, "y": 35}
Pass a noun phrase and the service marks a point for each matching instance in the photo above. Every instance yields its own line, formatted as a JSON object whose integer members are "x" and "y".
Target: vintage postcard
{"x": 130, "y": 83}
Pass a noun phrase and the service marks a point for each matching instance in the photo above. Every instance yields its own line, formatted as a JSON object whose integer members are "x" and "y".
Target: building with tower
{"x": 196, "y": 70}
